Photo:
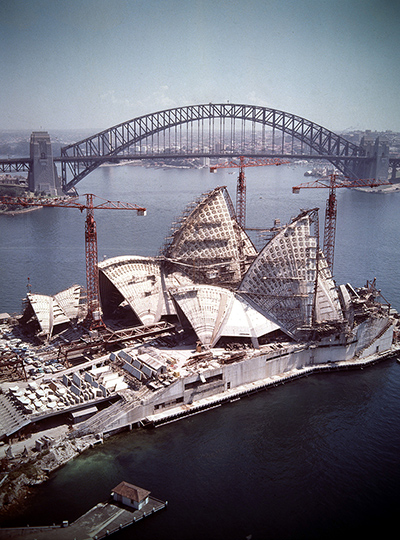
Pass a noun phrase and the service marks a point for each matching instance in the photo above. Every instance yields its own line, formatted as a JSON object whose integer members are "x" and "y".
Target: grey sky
{"x": 95, "y": 63}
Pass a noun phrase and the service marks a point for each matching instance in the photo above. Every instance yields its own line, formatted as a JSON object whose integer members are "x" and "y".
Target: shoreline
{"x": 36, "y": 469}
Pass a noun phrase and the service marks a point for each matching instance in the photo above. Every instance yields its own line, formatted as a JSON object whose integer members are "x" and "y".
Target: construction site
{"x": 206, "y": 321}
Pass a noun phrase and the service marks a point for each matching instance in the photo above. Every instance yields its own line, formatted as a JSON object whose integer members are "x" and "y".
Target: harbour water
{"x": 316, "y": 458}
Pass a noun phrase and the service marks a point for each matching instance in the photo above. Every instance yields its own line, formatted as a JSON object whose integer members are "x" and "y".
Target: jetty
{"x": 99, "y": 522}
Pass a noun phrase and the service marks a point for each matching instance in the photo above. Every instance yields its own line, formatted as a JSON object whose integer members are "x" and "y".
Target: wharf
{"x": 99, "y": 522}
{"x": 234, "y": 394}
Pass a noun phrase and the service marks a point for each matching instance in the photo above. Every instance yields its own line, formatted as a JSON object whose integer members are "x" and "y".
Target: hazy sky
{"x": 95, "y": 63}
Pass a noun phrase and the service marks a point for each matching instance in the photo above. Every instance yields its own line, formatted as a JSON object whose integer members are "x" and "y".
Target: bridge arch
{"x": 212, "y": 130}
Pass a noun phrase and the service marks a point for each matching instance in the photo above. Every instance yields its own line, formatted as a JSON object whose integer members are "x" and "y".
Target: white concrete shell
{"x": 279, "y": 290}
{"x": 51, "y": 311}
{"x": 207, "y": 245}
{"x": 208, "y": 236}
{"x": 214, "y": 312}
{"x": 242, "y": 320}
{"x": 281, "y": 281}
{"x": 142, "y": 283}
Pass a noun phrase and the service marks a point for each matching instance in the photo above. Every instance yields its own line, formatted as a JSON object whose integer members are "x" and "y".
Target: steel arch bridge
{"x": 210, "y": 130}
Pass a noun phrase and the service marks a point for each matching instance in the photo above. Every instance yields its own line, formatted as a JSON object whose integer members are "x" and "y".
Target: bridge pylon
{"x": 43, "y": 177}
{"x": 378, "y": 166}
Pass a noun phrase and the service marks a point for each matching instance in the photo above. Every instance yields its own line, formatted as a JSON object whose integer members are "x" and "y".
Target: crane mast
{"x": 92, "y": 270}
{"x": 332, "y": 182}
{"x": 93, "y": 317}
{"x": 330, "y": 224}
{"x": 241, "y": 197}
{"x": 241, "y": 181}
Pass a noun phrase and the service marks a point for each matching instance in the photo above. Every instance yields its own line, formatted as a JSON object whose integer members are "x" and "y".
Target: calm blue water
{"x": 316, "y": 458}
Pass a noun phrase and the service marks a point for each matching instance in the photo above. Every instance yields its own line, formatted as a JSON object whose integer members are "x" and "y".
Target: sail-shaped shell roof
{"x": 282, "y": 279}
{"x": 280, "y": 289}
{"x": 51, "y": 311}
{"x": 207, "y": 245}
{"x": 143, "y": 284}
{"x": 138, "y": 281}
{"x": 214, "y": 312}
{"x": 210, "y": 241}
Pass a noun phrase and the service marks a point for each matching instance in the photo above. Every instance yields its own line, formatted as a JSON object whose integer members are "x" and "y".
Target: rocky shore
{"x": 20, "y": 473}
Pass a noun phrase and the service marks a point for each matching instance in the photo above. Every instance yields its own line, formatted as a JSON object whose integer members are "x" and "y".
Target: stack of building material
{"x": 11, "y": 419}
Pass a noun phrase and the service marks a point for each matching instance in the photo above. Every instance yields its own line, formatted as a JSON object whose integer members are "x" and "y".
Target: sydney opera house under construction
{"x": 212, "y": 279}
{"x": 238, "y": 320}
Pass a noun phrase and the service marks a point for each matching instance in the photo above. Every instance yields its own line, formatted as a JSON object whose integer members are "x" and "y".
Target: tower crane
{"x": 241, "y": 182}
{"x": 332, "y": 182}
{"x": 93, "y": 317}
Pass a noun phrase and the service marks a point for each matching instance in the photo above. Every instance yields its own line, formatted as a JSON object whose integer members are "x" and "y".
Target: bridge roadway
{"x": 9, "y": 165}
{"x": 205, "y": 130}
{"x": 23, "y": 164}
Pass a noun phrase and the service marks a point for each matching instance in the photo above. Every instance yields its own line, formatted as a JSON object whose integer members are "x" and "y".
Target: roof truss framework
{"x": 290, "y": 279}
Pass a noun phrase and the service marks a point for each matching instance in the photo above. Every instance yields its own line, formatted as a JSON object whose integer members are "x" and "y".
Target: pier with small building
{"x": 128, "y": 504}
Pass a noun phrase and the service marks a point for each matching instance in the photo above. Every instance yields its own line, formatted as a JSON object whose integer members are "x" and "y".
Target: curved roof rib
{"x": 281, "y": 281}
{"x": 209, "y": 243}
{"x": 214, "y": 312}
{"x": 142, "y": 283}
